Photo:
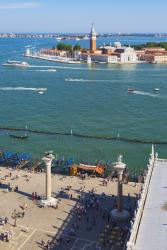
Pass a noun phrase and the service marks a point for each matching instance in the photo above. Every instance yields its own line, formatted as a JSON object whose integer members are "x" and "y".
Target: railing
{"x": 161, "y": 160}
{"x": 141, "y": 204}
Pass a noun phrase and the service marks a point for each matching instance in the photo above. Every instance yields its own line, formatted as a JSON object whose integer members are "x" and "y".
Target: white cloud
{"x": 27, "y": 5}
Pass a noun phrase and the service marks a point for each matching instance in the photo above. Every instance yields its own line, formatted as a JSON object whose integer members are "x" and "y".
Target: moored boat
{"x": 22, "y": 137}
{"x": 19, "y": 136}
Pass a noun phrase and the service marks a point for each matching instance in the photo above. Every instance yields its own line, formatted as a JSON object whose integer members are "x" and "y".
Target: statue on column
{"x": 120, "y": 158}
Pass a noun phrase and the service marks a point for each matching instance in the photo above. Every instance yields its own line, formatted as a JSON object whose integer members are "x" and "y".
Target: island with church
{"x": 106, "y": 53}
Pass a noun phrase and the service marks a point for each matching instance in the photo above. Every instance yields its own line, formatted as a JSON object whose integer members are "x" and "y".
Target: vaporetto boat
{"x": 16, "y": 63}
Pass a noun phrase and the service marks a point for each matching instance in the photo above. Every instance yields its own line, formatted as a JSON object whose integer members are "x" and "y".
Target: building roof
{"x": 93, "y": 28}
{"x": 121, "y": 50}
{"x": 152, "y": 234}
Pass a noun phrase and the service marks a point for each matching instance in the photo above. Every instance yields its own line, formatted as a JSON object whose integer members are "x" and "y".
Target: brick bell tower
{"x": 92, "y": 39}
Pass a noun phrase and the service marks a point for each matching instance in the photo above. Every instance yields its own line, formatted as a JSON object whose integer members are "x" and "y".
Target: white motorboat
{"x": 52, "y": 70}
{"x": 130, "y": 90}
{"x": 156, "y": 89}
{"x": 16, "y": 63}
{"x": 41, "y": 91}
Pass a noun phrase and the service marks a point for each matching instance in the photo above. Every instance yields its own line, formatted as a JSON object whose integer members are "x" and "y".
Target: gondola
{"x": 19, "y": 136}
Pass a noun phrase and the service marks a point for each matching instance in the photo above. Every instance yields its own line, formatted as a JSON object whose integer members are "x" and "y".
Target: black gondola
{"x": 19, "y": 136}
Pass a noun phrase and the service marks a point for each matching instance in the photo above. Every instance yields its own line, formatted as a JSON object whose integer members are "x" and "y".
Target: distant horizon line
{"x": 83, "y": 33}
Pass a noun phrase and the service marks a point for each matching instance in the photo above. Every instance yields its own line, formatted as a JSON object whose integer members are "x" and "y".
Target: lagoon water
{"x": 96, "y": 102}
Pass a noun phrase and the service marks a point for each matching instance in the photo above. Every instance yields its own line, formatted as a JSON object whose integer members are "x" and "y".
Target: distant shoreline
{"x": 81, "y": 36}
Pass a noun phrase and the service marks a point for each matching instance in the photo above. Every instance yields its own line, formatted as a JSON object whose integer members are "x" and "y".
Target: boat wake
{"x": 45, "y": 70}
{"x": 70, "y": 68}
{"x": 145, "y": 93}
{"x": 22, "y": 89}
{"x": 150, "y": 94}
{"x": 87, "y": 80}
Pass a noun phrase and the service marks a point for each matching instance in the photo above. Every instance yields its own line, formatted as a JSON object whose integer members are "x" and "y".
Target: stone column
{"x": 119, "y": 212}
{"x": 119, "y": 167}
{"x": 119, "y": 192}
{"x": 48, "y": 161}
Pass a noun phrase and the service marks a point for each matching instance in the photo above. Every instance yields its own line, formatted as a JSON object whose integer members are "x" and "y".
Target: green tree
{"x": 77, "y": 47}
{"x": 151, "y": 45}
{"x": 64, "y": 46}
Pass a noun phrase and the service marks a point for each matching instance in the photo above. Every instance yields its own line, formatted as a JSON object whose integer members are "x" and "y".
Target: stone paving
{"x": 48, "y": 223}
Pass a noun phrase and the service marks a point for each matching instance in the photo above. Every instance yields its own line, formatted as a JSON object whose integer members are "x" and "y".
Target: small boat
{"x": 16, "y": 64}
{"x": 40, "y": 92}
{"x": 22, "y": 137}
{"x": 156, "y": 89}
{"x": 19, "y": 136}
{"x": 131, "y": 90}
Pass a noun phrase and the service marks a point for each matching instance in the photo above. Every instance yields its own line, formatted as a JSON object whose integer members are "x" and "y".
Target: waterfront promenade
{"x": 57, "y": 225}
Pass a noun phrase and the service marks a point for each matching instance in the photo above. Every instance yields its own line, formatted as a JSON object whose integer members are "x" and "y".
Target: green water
{"x": 95, "y": 103}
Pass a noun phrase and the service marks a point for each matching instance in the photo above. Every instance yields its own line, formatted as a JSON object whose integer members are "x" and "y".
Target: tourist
{"x": 42, "y": 242}
{"x": 48, "y": 244}
{"x": 72, "y": 232}
{"x": 33, "y": 196}
{"x": 23, "y": 214}
{"x": 108, "y": 218}
{"x": 25, "y": 206}
{"x": 6, "y": 220}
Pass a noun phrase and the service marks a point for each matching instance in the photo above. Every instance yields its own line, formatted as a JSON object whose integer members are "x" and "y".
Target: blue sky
{"x": 77, "y": 15}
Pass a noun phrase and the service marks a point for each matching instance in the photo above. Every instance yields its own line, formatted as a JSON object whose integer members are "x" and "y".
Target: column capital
{"x": 48, "y": 157}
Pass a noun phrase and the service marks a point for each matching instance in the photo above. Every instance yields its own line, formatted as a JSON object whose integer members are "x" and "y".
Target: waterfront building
{"x": 111, "y": 54}
{"x": 148, "y": 230}
{"x": 152, "y": 55}
{"x": 108, "y": 53}
{"x": 127, "y": 54}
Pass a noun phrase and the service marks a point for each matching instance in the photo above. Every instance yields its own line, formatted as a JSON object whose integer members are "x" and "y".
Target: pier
{"x": 149, "y": 228}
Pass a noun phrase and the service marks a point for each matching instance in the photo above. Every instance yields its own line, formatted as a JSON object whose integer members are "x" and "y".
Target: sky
{"x": 76, "y": 16}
